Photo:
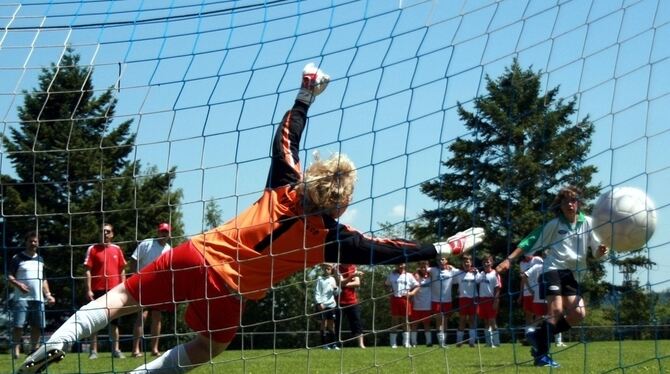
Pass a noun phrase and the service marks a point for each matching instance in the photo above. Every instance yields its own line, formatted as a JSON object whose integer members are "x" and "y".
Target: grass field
{"x": 599, "y": 357}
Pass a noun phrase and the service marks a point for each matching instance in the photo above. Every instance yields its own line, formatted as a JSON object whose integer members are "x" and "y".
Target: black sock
{"x": 545, "y": 333}
{"x": 562, "y": 325}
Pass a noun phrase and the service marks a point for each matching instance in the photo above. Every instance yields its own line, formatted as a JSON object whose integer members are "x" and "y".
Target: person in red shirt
{"x": 293, "y": 225}
{"x": 350, "y": 281}
{"x": 105, "y": 269}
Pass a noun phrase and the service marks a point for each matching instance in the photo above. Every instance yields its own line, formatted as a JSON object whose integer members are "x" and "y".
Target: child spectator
{"x": 466, "y": 279}
{"x": 324, "y": 297}
{"x": 421, "y": 305}
{"x": 441, "y": 286}
{"x": 403, "y": 286}
{"x": 489, "y": 293}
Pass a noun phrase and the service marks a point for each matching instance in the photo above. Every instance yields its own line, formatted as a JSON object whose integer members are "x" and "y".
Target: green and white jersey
{"x": 565, "y": 245}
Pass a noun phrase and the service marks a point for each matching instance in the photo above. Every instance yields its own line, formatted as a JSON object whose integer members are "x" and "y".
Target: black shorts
{"x": 558, "y": 283}
{"x": 326, "y": 314}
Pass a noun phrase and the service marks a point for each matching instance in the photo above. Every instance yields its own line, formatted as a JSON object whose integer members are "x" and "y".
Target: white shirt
{"x": 441, "y": 285}
{"x": 30, "y": 271}
{"x": 488, "y": 282}
{"x": 325, "y": 291}
{"x": 524, "y": 266}
{"x": 402, "y": 283}
{"x": 566, "y": 245}
{"x": 422, "y": 299}
{"x": 147, "y": 251}
{"x": 533, "y": 275}
{"x": 467, "y": 283}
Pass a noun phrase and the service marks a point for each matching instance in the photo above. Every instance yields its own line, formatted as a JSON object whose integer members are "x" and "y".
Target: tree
{"x": 212, "y": 214}
{"x": 522, "y": 148}
{"x": 73, "y": 172}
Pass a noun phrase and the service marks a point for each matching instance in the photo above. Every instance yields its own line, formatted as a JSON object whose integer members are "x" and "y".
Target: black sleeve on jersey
{"x": 348, "y": 246}
{"x": 14, "y": 264}
{"x": 285, "y": 168}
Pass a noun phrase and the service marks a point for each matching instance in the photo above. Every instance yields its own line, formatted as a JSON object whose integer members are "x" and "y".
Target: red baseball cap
{"x": 164, "y": 227}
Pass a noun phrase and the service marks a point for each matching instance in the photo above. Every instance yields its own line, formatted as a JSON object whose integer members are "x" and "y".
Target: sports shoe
{"x": 546, "y": 361}
{"x": 40, "y": 359}
{"x": 461, "y": 242}
{"x": 394, "y": 346}
{"x": 118, "y": 354}
{"x": 561, "y": 344}
{"x": 314, "y": 81}
{"x": 93, "y": 355}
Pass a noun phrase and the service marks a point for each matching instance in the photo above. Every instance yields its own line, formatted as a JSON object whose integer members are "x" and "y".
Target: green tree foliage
{"x": 74, "y": 171}
{"x": 523, "y": 146}
{"x": 213, "y": 215}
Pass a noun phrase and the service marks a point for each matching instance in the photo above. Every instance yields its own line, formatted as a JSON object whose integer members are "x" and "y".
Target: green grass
{"x": 599, "y": 357}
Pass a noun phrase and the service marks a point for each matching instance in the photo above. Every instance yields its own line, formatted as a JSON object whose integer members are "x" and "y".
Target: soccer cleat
{"x": 40, "y": 359}
{"x": 546, "y": 361}
{"x": 314, "y": 81}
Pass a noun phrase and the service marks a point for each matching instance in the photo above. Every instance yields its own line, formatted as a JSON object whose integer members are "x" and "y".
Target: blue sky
{"x": 204, "y": 90}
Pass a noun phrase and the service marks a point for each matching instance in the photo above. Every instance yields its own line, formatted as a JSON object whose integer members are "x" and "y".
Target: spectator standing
{"x": 403, "y": 286}
{"x": 31, "y": 291}
{"x": 466, "y": 279}
{"x": 527, "y": 290}
{"x": 324, "y": 297}
{"x": 350, "y": 281}
{"x": 489, "y": 301}
{"x": 421, "y": 305}
{"x": 146, "y": 252}
{"x": 441, "y": 300}
{"x": 105, "y": 268}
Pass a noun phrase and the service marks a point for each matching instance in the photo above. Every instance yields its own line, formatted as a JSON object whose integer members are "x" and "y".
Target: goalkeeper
{"x": 293, "y": 225}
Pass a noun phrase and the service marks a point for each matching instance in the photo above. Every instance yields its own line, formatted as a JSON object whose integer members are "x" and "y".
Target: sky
{"x": 204, "y": 84}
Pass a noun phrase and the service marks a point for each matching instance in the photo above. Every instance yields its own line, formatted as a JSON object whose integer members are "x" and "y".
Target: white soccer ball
{"x": 624, "y": 218}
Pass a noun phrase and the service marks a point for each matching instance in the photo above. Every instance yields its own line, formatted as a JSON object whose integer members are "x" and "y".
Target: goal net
{"x": 142, "y": 112}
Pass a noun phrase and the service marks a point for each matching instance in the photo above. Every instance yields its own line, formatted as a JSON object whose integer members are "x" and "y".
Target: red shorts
{"x": 466, "y": 306}
{"x": 438, "y": 307}
{"x": 539, "y": 309}
{"x": 181, "y": 276}
{"x": 421, "y": 315}
{"x": 400, "y": 307}
{"x": 485, "y": 308}
{"x": 527, "y": 303}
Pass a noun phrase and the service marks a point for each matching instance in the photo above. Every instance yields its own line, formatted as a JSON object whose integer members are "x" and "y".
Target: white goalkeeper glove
{"x": 461, "y": 242}
{"x": 314, "y": 81}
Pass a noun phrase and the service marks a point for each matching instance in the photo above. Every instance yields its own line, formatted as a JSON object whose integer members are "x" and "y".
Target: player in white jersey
{"x": 403, "y": 286}
{"x": 567, "y": 241}
{"x": 466, "y": 279}
{"x": 421, "y": 305}
{"x": 489, "y": 284}
{"x": 441, "y": 286}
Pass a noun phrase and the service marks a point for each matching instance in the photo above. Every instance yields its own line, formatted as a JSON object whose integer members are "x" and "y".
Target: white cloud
{"x": 349, "y": 216}
{"x": 398, "y": 211}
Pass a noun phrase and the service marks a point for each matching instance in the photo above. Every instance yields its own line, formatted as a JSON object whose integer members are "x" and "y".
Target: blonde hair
{"x": 328, "y": 185}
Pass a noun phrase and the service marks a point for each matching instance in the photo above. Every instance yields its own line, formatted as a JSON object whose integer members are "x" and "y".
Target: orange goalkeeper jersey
{"x": 274, "y": 238}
